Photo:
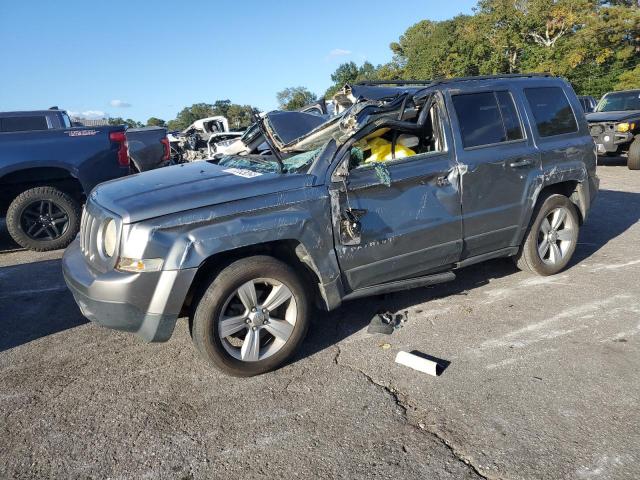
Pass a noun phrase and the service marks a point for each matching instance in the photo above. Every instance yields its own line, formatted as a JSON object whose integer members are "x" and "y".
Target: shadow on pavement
{"x": 613, "y": 213}
{"x": 34, "y": 303}
{"x": 6, "y": 242}
{"x": 612, "y": 161}
{"x": 327, "y": 329}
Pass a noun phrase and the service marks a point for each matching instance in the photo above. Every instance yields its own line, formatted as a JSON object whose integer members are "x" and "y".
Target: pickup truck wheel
{"x": 633, "y": 158}
{"x": 252, "y": 317}
{"x": 43, "y": 218}
{"x": 551, "y": 238}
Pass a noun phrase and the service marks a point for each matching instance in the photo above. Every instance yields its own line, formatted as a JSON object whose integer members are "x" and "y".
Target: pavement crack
{"x": 404, "y": 407}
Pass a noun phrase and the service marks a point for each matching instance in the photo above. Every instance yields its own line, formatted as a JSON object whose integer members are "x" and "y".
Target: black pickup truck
{"x": 615, "y": 126}
{"x": 47, "y": 169}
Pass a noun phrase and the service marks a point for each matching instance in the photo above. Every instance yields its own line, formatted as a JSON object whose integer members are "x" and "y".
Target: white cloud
{"x": 119, "y": 104}
{"x": 88, "y": 114}
{"x": 339, "y": 52}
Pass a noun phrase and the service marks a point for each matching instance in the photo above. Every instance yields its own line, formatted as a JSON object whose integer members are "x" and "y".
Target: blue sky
{"x": 139, "y": 59}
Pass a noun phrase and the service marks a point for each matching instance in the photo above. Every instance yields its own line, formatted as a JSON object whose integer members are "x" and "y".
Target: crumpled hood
{"x": 618, "y": 116}
{"x": 188, "y": 186}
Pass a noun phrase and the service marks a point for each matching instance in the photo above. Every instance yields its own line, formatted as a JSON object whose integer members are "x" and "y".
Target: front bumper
{"x": 147, "y": 304}
{"x": 609, "y": 140}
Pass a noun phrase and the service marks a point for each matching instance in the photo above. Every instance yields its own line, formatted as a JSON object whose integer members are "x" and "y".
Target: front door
{"x": 408, "y": 228}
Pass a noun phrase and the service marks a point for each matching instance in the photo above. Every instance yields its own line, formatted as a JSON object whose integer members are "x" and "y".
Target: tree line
{"x": 595, "y": 44}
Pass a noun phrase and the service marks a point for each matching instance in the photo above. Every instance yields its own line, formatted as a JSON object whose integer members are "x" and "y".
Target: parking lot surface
{"x": 542, "y": 380}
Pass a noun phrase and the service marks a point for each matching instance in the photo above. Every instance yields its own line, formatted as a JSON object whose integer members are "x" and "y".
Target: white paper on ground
{"x": 417, "y": 363}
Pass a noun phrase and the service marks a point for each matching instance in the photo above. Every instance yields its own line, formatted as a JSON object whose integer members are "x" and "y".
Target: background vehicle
{"x": 407, "y": 185}
{"x": 148, "y": 148}
{"x": 615, "y": 126}
{"x": 200, "y": 139}
{"x": 588, "y": 103}
{"x": 47, "y": 168}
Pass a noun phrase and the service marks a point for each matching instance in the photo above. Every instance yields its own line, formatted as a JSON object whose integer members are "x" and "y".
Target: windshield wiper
{"x": 259, "y": 122}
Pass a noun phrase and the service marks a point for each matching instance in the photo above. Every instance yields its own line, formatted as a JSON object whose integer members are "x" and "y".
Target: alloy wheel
{"x": 555, "y": 236}
{"x": 44, "y": 220}
{"x": 257, "y": 319}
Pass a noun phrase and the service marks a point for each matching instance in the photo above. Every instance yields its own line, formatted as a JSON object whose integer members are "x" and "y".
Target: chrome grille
{"x": 93, "y": 217}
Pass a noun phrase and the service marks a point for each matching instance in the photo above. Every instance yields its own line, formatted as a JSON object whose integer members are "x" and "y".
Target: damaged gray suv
{"x": 401, "y": 186}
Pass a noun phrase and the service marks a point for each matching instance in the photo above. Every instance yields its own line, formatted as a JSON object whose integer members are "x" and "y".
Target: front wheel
{"x": 551, "y": 238}
{"x": 252, "y": 317}
{"x": 633, "y": 156}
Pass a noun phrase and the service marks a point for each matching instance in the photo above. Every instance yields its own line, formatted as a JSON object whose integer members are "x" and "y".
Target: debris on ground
{"x": 422, "y": 362}
{"x": 417, "y": 363}
{"x": 386, "y": 322}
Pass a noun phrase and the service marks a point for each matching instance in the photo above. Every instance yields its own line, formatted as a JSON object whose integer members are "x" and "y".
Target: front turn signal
{"x": 138, "y": 265}
{"x": 625, "y": 127}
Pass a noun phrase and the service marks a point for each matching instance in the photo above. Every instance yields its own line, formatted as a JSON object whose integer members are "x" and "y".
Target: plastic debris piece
{"x": 417, "y": 363}
{"x": 382, "y": 323}
{"x": 386, "y": 322}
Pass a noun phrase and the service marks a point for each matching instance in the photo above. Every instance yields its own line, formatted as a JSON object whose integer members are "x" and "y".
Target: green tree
{"x": 350, "y": 73}
{"x": 345, "y": 73}
{"x": 595, "y": 44}
{"x": 629, "y": 79}
{"x": 239, "y": 116}
{"x": 129, "y": 123}
{"x": 294, "y": 98}
{"x": 156, "y": 122}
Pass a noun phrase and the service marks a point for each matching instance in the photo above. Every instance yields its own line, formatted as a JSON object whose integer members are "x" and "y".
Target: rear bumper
{"x": 147, "y": 304}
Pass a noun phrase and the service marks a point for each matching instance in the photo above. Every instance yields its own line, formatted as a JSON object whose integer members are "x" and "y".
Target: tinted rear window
{"x": 21, "y": 124}
{"x": 551, "y": 110}
{"x": 486, "y": 118}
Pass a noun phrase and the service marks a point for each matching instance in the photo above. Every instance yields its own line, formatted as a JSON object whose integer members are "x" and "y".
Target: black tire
{"x": 528, "y": 258}
{"x": 633, "y": 158}
{"x": 59, "y": 233}
{"x": 205, "y": 322}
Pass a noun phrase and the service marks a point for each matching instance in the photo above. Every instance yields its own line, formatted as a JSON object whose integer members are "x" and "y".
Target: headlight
{"x": 625, "y": 127}
{"x": 139, "y": 264}
{"x": 109, "y": 237}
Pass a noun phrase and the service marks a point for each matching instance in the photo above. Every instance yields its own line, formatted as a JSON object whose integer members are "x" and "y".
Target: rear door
{"x": 559, "y": 127}
{"x": 500, "y": 162}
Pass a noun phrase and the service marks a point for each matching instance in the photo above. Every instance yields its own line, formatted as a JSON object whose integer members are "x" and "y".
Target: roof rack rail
{"x": 372, "y": 83}
{"x": 449, "y": 80}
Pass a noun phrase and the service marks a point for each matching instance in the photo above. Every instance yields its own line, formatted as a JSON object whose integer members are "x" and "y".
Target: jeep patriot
{"x": 405, "y": 184}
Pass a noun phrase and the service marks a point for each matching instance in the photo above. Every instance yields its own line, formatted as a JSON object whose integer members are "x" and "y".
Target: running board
{"x": 401, "y": 285}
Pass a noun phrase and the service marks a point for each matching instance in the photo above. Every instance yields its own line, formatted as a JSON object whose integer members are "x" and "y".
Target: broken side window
{"x": 390, "y": 145}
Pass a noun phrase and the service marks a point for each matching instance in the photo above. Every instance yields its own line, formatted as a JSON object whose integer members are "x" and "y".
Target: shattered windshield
{"x": 267, "y": 164}
{"x": 615, "y": 102}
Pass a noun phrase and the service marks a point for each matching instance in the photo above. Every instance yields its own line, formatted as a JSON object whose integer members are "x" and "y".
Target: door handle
{"x": 521, "y": 162}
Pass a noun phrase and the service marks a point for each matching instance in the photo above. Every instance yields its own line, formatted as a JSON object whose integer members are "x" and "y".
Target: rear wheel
{"x": 551, "y": 238}
{"x": 252, "y": 317}
{"x": 633, "y": 159}
{"x": 43, "y": 218}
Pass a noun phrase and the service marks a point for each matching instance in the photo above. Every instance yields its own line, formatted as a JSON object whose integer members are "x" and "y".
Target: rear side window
{"x": 551, "y": 110}
{"x": 21, "y": 124}
{"x": 66, "y": 120}
{"x": 487, "y": 118}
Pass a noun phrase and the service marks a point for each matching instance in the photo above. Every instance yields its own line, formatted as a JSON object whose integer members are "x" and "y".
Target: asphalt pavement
{"x": 541, "y": 379}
